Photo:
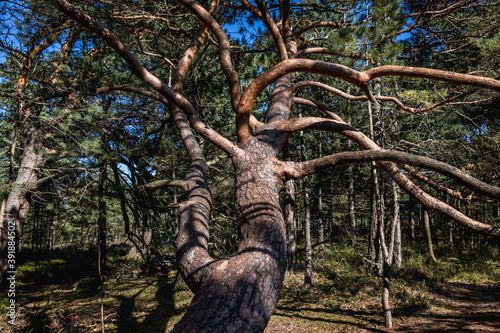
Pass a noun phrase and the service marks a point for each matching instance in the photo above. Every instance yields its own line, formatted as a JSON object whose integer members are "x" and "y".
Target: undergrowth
{"x": 59, "y": 290}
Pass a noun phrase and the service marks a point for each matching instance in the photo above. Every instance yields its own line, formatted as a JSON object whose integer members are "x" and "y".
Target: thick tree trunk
{"x": 237, "y": 294}
{"x": 17, "y": 204}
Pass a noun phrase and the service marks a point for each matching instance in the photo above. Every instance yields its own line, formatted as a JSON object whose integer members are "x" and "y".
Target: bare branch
{"x": 142, "y": 73}
{"x": 224, "y": 49}
{"x": 305, "y": 123}
{"x": 313, "y": 25}
{"x": 309, "y": 167}
{"x": 421, "y": 196}
{"x": 350, "y": 75}
{"x": 435, "y": 185}
{"x": 273, "y": 28}
{"x": 394, "y": 100}
{"x": 154, "y": 185}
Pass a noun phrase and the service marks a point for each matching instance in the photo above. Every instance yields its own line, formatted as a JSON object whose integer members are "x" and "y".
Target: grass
{"x": 58, "y": 292}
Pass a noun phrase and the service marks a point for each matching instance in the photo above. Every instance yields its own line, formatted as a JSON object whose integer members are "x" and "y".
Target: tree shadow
{"x": 369, "y": 318}
{"x": 158, "y": 318}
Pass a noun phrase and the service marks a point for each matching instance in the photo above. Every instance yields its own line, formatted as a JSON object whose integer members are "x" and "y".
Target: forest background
{"x": 94, "y": 162}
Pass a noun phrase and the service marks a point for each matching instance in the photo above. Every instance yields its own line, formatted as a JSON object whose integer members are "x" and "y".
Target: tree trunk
{"x": 101, "y": 221}
{"x": 291, "y": 226}
{"x": 352, "y": 209}
{"x": 321, "y": 224}
{"x": 427, "y": 227}
{"x": 236, "y": 294}
{"x": 395, "y": 250}
{"x": 17, "y": 204}
{"x": 412, "y": 220}
{"x": 307, "y": 235}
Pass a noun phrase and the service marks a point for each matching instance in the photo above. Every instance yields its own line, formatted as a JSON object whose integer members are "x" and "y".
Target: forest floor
{"x": 450, "y": 296}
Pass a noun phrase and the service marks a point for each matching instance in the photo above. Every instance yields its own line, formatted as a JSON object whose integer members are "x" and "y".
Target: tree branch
{"x": 417, "y": 193}
{"x": 345, "y": 73}
{"x": 273, "y": 28}
{"x": 394, "y": 100}
{"x": 142, "y": 73}
{"x": 299, "y": 170}
{"x": 224, "y": 49}
{"x": 154, "y": 185}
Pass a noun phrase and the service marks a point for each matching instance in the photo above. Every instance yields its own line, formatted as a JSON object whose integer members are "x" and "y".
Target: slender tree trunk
{"x": 321, "y": 227}
{"x": 102, "y": 219}
{"x": 307, "y": 235}
{"x": 374, "y": 235}
{"x": 55, "y": 224}
{"x": 352, "y": 203}
{"x": 397, "y": 228}
{"x": 428, "y": 235}
{"x": 352, "y": 209}
{"x": 307, "y": 223}
{"x": 411, "y": 220}
{"x": 176, "y": 219}
{"x": 291, "y": 227}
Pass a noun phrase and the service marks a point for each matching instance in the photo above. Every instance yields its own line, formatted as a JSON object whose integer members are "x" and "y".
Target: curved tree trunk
{"x": 237, "y": 294}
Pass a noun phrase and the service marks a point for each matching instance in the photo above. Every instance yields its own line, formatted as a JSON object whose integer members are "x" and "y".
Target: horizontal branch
{"x": 299, "y": 170}
{"x": 306, "y": 123}
{"x": 394, "y": 100}
{"x": 154, "y": 185}
{"x": 416, "y": 192}
{"x": 414, "y": 173}
{"x": 345, "y": 73}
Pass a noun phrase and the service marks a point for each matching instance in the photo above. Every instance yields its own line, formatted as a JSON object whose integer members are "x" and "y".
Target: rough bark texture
{"x": 239, "y": 294}
{"x": 17, "y": 204}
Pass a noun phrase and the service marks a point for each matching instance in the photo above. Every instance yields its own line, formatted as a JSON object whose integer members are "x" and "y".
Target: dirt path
{"x": 453, "y": 307}
{"x": 458, "y": 307}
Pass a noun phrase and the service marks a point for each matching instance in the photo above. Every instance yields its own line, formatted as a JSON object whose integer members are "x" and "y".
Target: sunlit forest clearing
{"x": 249, "y": 166}
{"x": 59, "y": 295}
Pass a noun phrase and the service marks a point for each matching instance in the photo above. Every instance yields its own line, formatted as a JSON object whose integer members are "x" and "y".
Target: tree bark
{"x": 291, "y": 226}
{"x": 427, "y": 227}
{"x": 102, "y": 220}
{"x": 17, "y": 204}
{"x": 397, "y": 253}
{"x": 411, "y": 220}
{"x": 307, "y": 236}
{"x": 237, "y": 294}
{"x": 307, "y": 222}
